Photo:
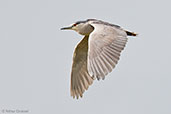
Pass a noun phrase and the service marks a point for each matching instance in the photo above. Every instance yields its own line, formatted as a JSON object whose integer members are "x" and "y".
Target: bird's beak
{"x": 67, "y": 28}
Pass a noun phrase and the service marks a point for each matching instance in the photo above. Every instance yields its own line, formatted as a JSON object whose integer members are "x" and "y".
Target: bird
{"x": 96, "y": 54}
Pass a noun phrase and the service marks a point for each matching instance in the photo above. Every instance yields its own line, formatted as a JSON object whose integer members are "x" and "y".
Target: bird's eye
{"x": 74, "y": 24}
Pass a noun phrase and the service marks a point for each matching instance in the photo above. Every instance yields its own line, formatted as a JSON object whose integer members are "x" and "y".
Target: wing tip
{"x": 79, "y": 94}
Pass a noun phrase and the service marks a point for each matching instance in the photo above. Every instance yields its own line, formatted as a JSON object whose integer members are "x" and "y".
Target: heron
{"x": 96, "y": 54}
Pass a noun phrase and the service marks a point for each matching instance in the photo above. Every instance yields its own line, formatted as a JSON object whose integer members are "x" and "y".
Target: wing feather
{"x": 80, "y": 78}
{"x": 105, "y": 45}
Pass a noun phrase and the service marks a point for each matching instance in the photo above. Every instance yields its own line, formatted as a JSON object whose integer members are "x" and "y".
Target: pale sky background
{"x": 36, "y": 57}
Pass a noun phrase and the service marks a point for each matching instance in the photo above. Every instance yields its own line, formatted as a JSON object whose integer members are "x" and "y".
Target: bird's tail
{"x": 130, "y": 33}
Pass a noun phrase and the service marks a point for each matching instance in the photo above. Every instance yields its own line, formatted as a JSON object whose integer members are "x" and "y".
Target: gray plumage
{"x": 97, "y": 53}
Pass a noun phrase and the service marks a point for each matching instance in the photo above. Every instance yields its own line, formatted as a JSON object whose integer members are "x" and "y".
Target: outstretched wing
{"x": 105, "y": 45}
{"x": 80, "y": 78}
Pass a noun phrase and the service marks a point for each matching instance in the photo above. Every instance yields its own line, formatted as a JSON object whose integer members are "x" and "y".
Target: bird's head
{"x": 82, "y": 27}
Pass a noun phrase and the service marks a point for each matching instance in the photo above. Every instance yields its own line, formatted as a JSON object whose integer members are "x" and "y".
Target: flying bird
{"x": 96, "y": 54}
